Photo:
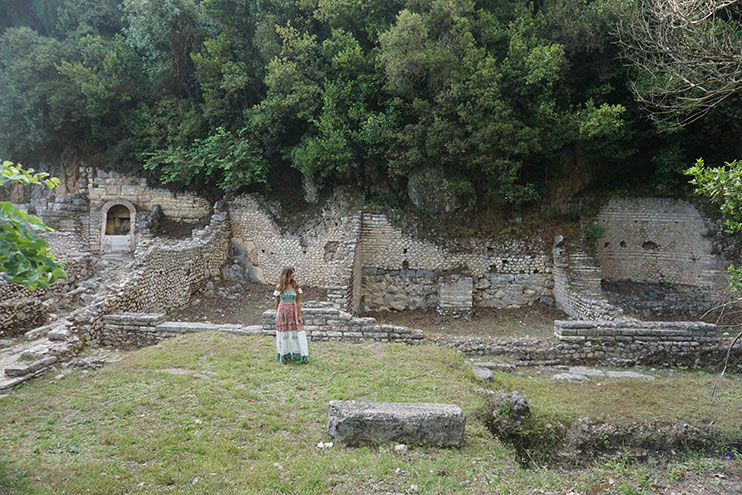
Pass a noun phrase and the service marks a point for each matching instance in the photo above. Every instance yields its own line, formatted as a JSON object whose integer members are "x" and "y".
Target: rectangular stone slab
{"x": 366, "y": 422}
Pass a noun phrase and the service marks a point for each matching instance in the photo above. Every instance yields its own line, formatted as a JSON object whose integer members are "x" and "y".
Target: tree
{"x": 687, "y": 55}
{"x": 24, "y": 255}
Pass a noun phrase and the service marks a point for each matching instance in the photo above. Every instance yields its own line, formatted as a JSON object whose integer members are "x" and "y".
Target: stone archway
{"x": 118, "y": 224}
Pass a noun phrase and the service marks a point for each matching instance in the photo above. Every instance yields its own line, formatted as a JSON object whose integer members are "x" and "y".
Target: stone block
{"x": 365, "y": 422}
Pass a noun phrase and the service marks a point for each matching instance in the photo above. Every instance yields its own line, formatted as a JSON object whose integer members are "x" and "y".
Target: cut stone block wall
{"x": 104, "y": 186}
{"x": 328, "y": 323}
{"x": 656, "y": 240}
{"x": 322, "y": 250}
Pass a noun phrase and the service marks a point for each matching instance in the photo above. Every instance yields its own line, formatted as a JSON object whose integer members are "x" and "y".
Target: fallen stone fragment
{"x": 585, "y": 371}
{"x": 569, "y": 378}
{"x": 366, "y": 422}
{"x": 628, "y": 374}
{"x": 482, "y": 373}
{"x": 496, "y": 366}
{"x": 26, "y": 368}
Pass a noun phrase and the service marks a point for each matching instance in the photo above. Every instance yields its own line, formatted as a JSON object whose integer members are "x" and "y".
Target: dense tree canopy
{"x": 217, "y": 93}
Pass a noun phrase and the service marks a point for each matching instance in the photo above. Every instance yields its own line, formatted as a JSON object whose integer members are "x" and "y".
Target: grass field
{"x": 215, "y": 414}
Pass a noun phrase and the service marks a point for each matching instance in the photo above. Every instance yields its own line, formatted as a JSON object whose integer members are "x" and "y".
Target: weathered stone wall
{"x": 577, "y": 290}
{"x": 659, "y": 240}
{"x": 622, "y": 343}
{"x": 403, "y": 272}
{"x": 384, "y": 245}
{"x": 454, "y": 295}
{"x": 162, "y": 276}
{"x": 323, "y": 250}
{"x": 328, "y": 323}
{"x": 322, "y": 323}
{"x": 104, "y": 186}
{"x": 22, "y": 309}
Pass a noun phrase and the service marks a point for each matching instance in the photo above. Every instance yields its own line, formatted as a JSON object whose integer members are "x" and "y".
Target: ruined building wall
{"x": 103, "y": 186}
{"x": 659, "y": 240}
{"x": 404, "y": 272}
{"x": 322, "y": 250}
{"x": 21, "y": 308}
{"x": 577, "y": 289}
{"x": 163, "y": 275}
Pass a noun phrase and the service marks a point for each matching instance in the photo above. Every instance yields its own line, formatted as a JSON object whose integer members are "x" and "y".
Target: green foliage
{"x": 671, "y": 162}
{"x": 24, "y": 256}
{"x": 491, "y": 93}
{"x": 594, "y": 232}
{"x": 722, "y": 185}
{"x": 225, "y": 159}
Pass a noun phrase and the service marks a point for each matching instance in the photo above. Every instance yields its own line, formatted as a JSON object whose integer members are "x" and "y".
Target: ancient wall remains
{"x": 103, "y": 186}
{"x": 577, "y": 289}
{"x": 323, "y": 250}
{"x": 658, "y": 240}
{"x": 21, "y": 308}
{"x": 403, "y": 272}
{"x": 162, "y": 276}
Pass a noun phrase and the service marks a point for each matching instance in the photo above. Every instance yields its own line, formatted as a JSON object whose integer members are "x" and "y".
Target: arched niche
{"x": 118, "y": 222}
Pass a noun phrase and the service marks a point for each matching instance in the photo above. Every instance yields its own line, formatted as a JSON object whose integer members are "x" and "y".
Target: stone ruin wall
{"x": 577, "y": 289}
{"x": 103, "y": 186}
{"x": 323, "y": 251}
{"x": 660, "y": 240}
{"x": 75, "y": 206}
{"x": 162, "y": 276}
{"x": 403, "y": 272}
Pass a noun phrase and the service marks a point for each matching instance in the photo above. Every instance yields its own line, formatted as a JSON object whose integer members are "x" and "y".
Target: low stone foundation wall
{"x": 621, "y": 343}
{"x": 143, "y": 329}
{"x": 22, "y": 309}
{"x": 328, "y": 323}
{"x": 321, "y": 324}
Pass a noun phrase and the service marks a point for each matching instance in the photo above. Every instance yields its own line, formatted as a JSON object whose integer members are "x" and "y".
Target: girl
{"x": 291, "y": 340}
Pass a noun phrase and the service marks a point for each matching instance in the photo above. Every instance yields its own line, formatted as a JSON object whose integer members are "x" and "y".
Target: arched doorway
{"x": 118, "y": 219}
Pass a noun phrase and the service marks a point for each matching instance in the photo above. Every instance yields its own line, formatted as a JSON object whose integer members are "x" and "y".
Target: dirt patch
{"x": 531, "y": 321}
{"x": 234, "y": 302}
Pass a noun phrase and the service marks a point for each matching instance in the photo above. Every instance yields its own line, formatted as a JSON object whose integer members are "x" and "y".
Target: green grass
{"x": 673, "y": 397}
{"x": 215, "y": 414}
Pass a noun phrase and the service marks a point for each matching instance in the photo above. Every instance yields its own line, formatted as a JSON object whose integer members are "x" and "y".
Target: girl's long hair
{"x": 284, "y": 281}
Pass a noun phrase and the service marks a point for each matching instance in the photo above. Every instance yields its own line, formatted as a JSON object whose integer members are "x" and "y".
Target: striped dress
{"x": 291, "y": 339}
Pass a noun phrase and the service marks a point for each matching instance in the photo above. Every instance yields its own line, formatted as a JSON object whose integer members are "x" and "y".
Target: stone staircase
{"x": 34, "y": 354}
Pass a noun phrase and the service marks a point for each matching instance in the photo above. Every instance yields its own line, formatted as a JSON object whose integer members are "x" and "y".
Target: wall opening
{"x": 118, "y": 219}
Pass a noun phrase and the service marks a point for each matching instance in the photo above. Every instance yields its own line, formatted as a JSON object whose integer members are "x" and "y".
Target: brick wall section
{"x": 577, "y": 289}
{"x": 343, "y": 289}
{"x": 454, "y": 295}
{"x": 655, "y": 239}
{"x": 383, "y": 245}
